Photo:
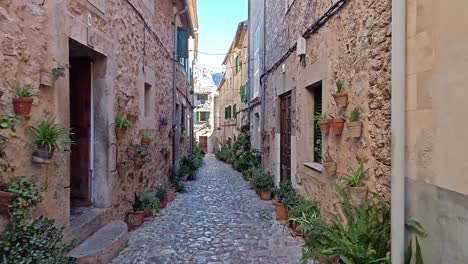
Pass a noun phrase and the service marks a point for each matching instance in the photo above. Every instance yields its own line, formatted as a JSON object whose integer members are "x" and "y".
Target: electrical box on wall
{"x": 301, "y": 46}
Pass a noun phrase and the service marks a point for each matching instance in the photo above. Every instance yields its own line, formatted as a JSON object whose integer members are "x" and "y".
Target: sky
{"x": 217, "y": 25}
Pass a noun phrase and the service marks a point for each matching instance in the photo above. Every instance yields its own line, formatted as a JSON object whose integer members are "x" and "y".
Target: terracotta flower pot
{"x": 42, "y": 155}
{"x": 164, "y": 202}
{"x": 330, "y": 167}
{"x": 281, "y": 211}
{"x": 120, "y": 133}
{"x": 171, "y": 194}
{"x": 22, "y": 106}
{"x": 48, "y": 79}
{"x": 357, "y": 195}
{"x": 336, "y": 126}
{"x": 341, "y": 99}
{"x": 324, "y": 126}
{"x": 135, "y": 219}
{"x": 145, "y": 142}
{"x": 6, "y": 199}
{"x": 354, "y": 129}
{"x": 132, "y": 118}
{"x": 265, "y": 195}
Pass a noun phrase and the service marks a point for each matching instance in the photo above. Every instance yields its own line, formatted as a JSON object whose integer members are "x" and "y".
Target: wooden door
{"x": 203, "y": 144}
{"x": 285, "y": 137}
{"x": 80, "y": 123}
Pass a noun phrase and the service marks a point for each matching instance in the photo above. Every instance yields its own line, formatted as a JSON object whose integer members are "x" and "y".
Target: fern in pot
{"x": 48, "y": 137}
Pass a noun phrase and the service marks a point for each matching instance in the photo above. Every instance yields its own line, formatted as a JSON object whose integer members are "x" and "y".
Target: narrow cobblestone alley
{"x": 219, "y": 220}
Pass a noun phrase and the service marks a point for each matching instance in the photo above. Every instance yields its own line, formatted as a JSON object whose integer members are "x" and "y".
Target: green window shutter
{"x": 229, "y": 111}
{"x": 234, "y": 111}
{"x": 317, "y": 133}
{"x": 197, "y": 117}
{"x": 207, "y": 116}
{"x": 182, "y": 42}
{"x": 225, "y": 112}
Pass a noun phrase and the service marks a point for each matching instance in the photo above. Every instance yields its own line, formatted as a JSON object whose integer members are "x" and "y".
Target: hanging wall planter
{"x": 354, "y": 126}
{"x": 336, "y": 126}
{"x": 121, "y": 127}
{"x": 341, "y": 97}
{"x": 324, "y": 126}
{"x": 47, "y": 79}
{"x": 357, "y": 195}
{"x": 123, "y": 168}
{"x": 22, "y": 104}
{"x": 132, "y": 118}
{"x": 42, "y": 155}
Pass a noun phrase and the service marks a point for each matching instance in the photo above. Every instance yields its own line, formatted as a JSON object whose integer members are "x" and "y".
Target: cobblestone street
{"x": 219, "y": 220}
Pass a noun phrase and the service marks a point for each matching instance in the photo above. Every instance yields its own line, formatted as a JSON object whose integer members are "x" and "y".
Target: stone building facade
{"x": 231, "y": 111}
{"x": 353, "y": 45}
{"x": 125, "y": 49}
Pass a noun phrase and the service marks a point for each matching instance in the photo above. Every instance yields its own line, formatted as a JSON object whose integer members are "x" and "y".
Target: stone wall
{"x": 354, "y": 46}
{"x": 36, "y": 36}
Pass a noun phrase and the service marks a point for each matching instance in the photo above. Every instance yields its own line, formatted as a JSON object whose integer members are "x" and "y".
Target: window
{"x": 202, "y": 97}
{"x": 256, "y": 78}
{"x": 227, "y": 112}
{"x": 147, "y": 102}
{"x": 238, "y": 65}
{"x": 317, "y": 92}
{"x": 182, "y": 120}
{"x": 243, "y": 93}
{"x": 204, "y": 116}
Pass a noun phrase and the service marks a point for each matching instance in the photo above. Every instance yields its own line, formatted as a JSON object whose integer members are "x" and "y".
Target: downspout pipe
{"x": 174, "y": 89}
{"x": 262, "y": 86}
{"x": 249, "y": 37}
{"x": 398, "y": 127}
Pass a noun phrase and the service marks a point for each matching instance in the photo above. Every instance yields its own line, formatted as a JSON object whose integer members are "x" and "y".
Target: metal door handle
{"x": 116, "y": 155}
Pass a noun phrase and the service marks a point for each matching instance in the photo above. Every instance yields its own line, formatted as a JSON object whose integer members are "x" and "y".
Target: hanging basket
{"x": 48, "y": 79}
{"x": 324, "y": 126}
{"x": 341, "y": 99}
{"x": 354, "y": 129}
{"x": 336, "y": 126}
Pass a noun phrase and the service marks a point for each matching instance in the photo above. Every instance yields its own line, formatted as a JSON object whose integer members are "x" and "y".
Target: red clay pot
{"x": 336, "y": 126}
{"x": 171, "y": 194}
{"x": 120, "y": 133}
{"x": 164, "y": 202}
{"x": 145, "y": 142}
{"x": 22, "y": 106}
{"x": 6, "y": 199}
{"x": 265, "y": 195}
{"x": 341, "y": 99}
{"x": 324, "y": 127}
{"x": 281, "y": 211}
{"x": 138, "y": 219}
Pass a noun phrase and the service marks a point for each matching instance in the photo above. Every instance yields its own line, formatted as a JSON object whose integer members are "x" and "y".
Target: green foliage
{"x": 161, "y": 191}
{"x": 303, "y": 208}
{"x": 121, "y": 122}
{"x": 36, "y": 241}
{"x": 224, "y": 154}
{"x": 146, "y": 134}
{"x": 58, "y": 72}
{"x": 355, "y": 114}
{"x": 339, "y": 86}
{"x": 363, "y": 237}
{"x": 418, "y": 229}
{"x": 9, "y": 120}
{"x": 22, "y": 91}
{"x": 284, "y": 191}
{"x": 27, "y": 194}
{"x": 143, "y": 153}
{"x": 353, "y": 178}
{"x": 50, "y": 135}
{"x": 179, "y": 185}
{"x": 320, "y": 117}
{"x": 147, "y": 202}
{"x": 263, "y": 181}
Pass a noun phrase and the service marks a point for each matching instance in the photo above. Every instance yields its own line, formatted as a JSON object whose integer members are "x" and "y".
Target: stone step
{"x": 104, "y": 245}
{"x": 85, "y": 225}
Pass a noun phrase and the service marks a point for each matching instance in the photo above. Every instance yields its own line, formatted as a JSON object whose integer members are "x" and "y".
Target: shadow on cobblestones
{"x": 219, "y": 220}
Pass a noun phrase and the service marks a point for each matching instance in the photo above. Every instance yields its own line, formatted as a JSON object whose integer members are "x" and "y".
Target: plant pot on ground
{"x": 134, "y": 219}
{"x": 284, "y": 196}
{"x": 336, "y": 126}
{"x": 323, "y": 123}
{"x": 341, "y": 97}
{"x": 148, "y": 203}
{"x": 22, "y": 104}
{"x": 264, "y": 183}
{"x": 354, "y": 126}
{"x": 353, "y": 183}
{"x": 20, "y": 196}
{"x": 122, "y": 125}
{"x": 48, "y": 137}
{"x": 171, "y": 194}
{"x": 161, "y": 193}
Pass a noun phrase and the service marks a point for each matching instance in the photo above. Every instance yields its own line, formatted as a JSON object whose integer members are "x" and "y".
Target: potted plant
{"x": 328, "y": 164}
{"x": 6, "y": 198}
{"x": 161, "y": 193}
{"x": 282, "y": 195}
{"x": 146, "y": 138}
{"x": 341, "y": 97}
{"x": 123, "y": 167}
{"x": 48, "y": 137}
{"x": 49, "y": 78}
{"x": 183, "y": 172}
{"x": 121, "y": 127}
{"x": 132, "y": 117}
{"x": 336, "y": 126}
{"x": 264, "y": 182}
{"x": 354, "y": 126}
{"x": 9, "y": 120}
{"x": 22, "y": 104}
{"x": 163, "y": 122}
{"x": 164, "y": 148}
{"x": 131, "y": 151}
{"x": 323, "y": 123}
{"x": 149, "y": 203}
{"x": 353, "y": 183}
{"x": 302, "y": 209}
{"x": 135, "y": 217}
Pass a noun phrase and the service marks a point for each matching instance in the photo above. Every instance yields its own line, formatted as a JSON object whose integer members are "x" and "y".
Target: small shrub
{"x": 263, "y": 181}
{"x": 147, "y": 202}
{"x": 161, "y": 192}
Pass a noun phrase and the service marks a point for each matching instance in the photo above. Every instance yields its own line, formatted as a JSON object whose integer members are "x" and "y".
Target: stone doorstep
{"x": 104, "y": 245}
{"x": 85, "y": 225}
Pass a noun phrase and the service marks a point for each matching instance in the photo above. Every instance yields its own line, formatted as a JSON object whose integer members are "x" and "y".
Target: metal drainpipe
{"x": 263, "y": 88}
{"x": 174, "y": 88}
{"x": 398, "y": 108}
{"x": 249, "y": 118}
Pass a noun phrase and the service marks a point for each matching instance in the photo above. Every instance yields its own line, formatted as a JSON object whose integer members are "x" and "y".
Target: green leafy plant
{"x": 22, "y": 91}
{"x": 59, "y": 71}
{"x": 163, "y": 121}
{"x": 361, "y": 237}
{"x": 146, "y": 134}
{"x": 50, "y": 135}
{"x": 339, "y": 86}
{"x": 121, "y": 122}
{"x": 147, "y": 202}
{"x": 301, "y": 208}
{"x": 320, "y": 117}
{"x": 283, "y": 191}
{"x": 179, "y": 185}
{"x": 131, "y": 219}
{"x": 27, "y": 194}
{"x": 355, "y": 114}
{"x": 35, "y": 241}
{"x": 418, "y": 229}
{"x": 353, "y": 178}
{"x": 264, "y": 181}
{"x": 9, "y": 120}
{"x": 160, "y": 192}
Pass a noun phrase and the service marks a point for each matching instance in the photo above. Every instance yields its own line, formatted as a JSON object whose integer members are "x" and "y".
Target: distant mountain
{"x": 217, "y": 76}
